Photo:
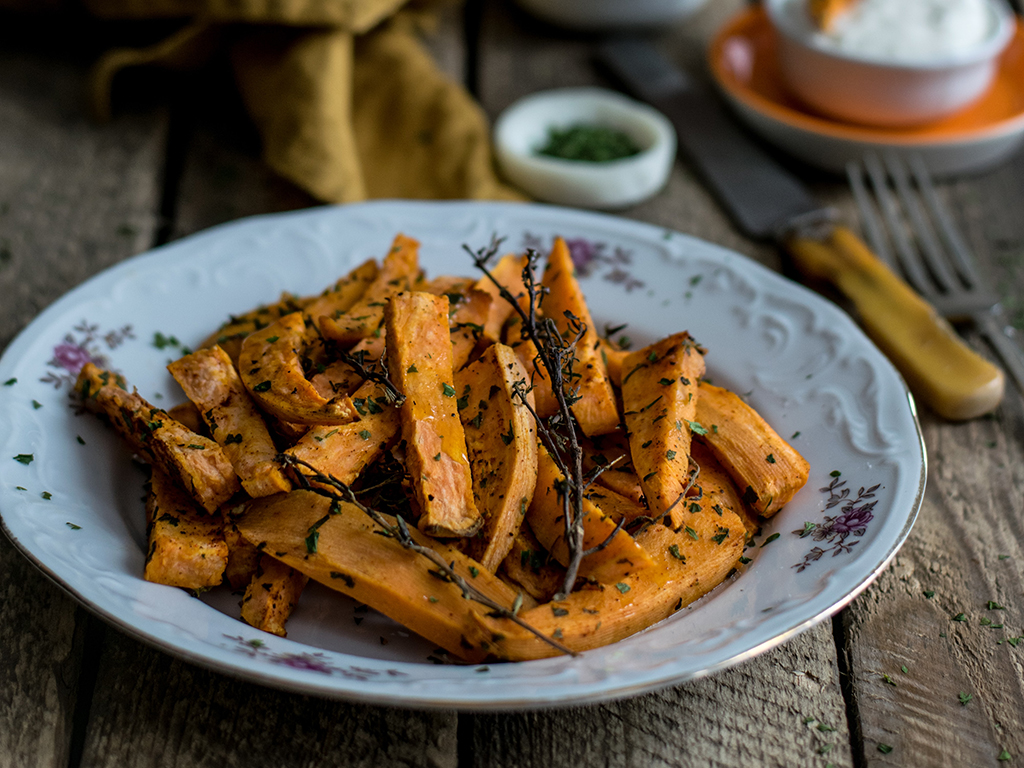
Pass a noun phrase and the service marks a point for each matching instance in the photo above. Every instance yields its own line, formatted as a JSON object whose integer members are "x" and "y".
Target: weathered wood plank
{"x": 966, "y": 548}
{"x": 778, "y": 709}
{"x": 74, "y": 198}
{"x": 152, "y": 710}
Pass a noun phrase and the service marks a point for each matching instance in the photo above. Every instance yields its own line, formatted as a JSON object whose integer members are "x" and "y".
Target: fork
{"x": 916, "y": 235}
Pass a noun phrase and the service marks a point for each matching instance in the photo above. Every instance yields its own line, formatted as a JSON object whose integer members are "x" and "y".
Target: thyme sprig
{"x": 376, "y": 372}
{"x": 330, "y": 487}
{"x": 556, "y": 354}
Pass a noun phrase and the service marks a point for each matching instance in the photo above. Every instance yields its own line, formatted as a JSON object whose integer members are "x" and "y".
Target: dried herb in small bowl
{"x": 589, "y": 143}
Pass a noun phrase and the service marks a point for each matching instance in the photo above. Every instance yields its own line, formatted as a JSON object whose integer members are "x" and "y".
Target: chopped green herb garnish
{"x": 992, "y": 605}
{"x": 448, "y": 390}
{"x": 10, "y": 382}
{"x": 965, "y": 698}
{"x": 412, "y": 369}
{"x": 73, "y": 527}
{"x": 674, "y": 551}
{"x": 623, "y": 588}
{"x": 885, "y": 749}
{"x": 770, "y": 539}
{"x": 960, "y": 617}
{"x": 263, "y": 386}
{"x": 24, "y": 458}
{"x": 770, "y": 458}
{"x": 365, "y": 434}
{"x": 929, "y": 593}
{"x": 696, "y": 428}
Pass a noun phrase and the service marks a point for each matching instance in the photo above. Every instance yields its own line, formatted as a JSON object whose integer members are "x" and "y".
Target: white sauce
{"x": 911, "y": 31}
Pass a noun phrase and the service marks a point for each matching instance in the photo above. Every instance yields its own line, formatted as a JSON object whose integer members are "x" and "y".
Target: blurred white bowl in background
{"x": 863, "y": 89}
{"x": 524, "y": 128}
{"x": 612, "y": 14}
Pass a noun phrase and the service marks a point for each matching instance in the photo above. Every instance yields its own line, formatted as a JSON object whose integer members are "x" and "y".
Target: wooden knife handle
{"x": 939, "y": 367}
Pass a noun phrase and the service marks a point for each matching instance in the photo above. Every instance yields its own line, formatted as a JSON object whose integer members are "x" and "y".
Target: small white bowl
{"x": 870, "y": 91}
{"x": 524, "y": 127}
{"x": 612, "y": 14}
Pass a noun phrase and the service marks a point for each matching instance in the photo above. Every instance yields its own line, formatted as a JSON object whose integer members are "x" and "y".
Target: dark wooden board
{"x": 966, "y": 548}
{"x": 74, "y": 198}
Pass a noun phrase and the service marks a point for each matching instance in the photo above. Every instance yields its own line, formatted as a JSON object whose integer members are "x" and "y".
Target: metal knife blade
{"x": 760, "y": 195}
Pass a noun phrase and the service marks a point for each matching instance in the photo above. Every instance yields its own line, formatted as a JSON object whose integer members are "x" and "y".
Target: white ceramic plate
{"x": 75, "y": 508}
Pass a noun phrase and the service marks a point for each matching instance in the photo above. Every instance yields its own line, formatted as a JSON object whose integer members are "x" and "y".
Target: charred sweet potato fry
{"x": 620, "y": 557}
{"x": 351, "y": 557}
{"x": 272, "y": 595}
{"x": 595, "y": 410}
{"x": 502, "y": 440}
{"x": 243, "y": 558}
{"x": 186, "y": 546}
{"x": 270, "y": 366}
{"x": 659, "y": 395}
{"x": 420, "y": 362}
{"x": 196, "y": 463}
{"x": 767, "y": 470}
{"x": 211, "y": 382}
{"x": 398, "y": 271}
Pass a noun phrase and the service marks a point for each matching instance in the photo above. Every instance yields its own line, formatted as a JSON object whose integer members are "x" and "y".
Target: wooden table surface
{"x": 76, "y": 197}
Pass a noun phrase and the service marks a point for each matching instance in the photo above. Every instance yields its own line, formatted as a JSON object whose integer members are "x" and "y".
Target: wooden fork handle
{"x": 939, "y": 367}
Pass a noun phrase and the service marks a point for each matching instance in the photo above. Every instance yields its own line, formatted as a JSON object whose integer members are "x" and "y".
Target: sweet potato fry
{"x": 536, "y": 376}
{"x": 397, "y": 273}
{"x": 243, "y": 558}
{"x": 196, "y": 463}
{"x": 231, "y": 335}
{"x": 596, "y": 410}
{"x": 686, "y": 565}
{"x": 612, "y": 450}
{"x": 271, "y": 369}
{"x": 272, "y": 595}
{"x": 508, "y": 271}
{"x": 211, "y": 382}
{"x": 351, "y": 557}
{"x": 420, "y": 362}
{"x": 529, "y": 566}
{"x": 718, "y": 488}
{"x": 502, "y": 440}
{"x": 659, "y": 393}
{"x": 343, "y": 295}
{"x": 620, "y": 557}
{"x": 766, "y": 468}
{"x": 186, "y": 547}
{"x": 345, "y": 451}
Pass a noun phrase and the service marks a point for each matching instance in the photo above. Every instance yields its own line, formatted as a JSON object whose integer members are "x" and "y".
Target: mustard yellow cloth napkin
{"x": 347, "y": 101}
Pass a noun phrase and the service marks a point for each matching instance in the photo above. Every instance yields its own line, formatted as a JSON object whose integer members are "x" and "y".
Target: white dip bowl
{"x": 879, "y": 89}
{"x": 523, "y": 128}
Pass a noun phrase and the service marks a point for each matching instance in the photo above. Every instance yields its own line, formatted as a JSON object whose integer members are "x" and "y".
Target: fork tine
{"x": 928, "y": 243}
{"x": 909, "y": 262}
{"x": 963, "y": 259}
{"x": 868, "y": 215}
